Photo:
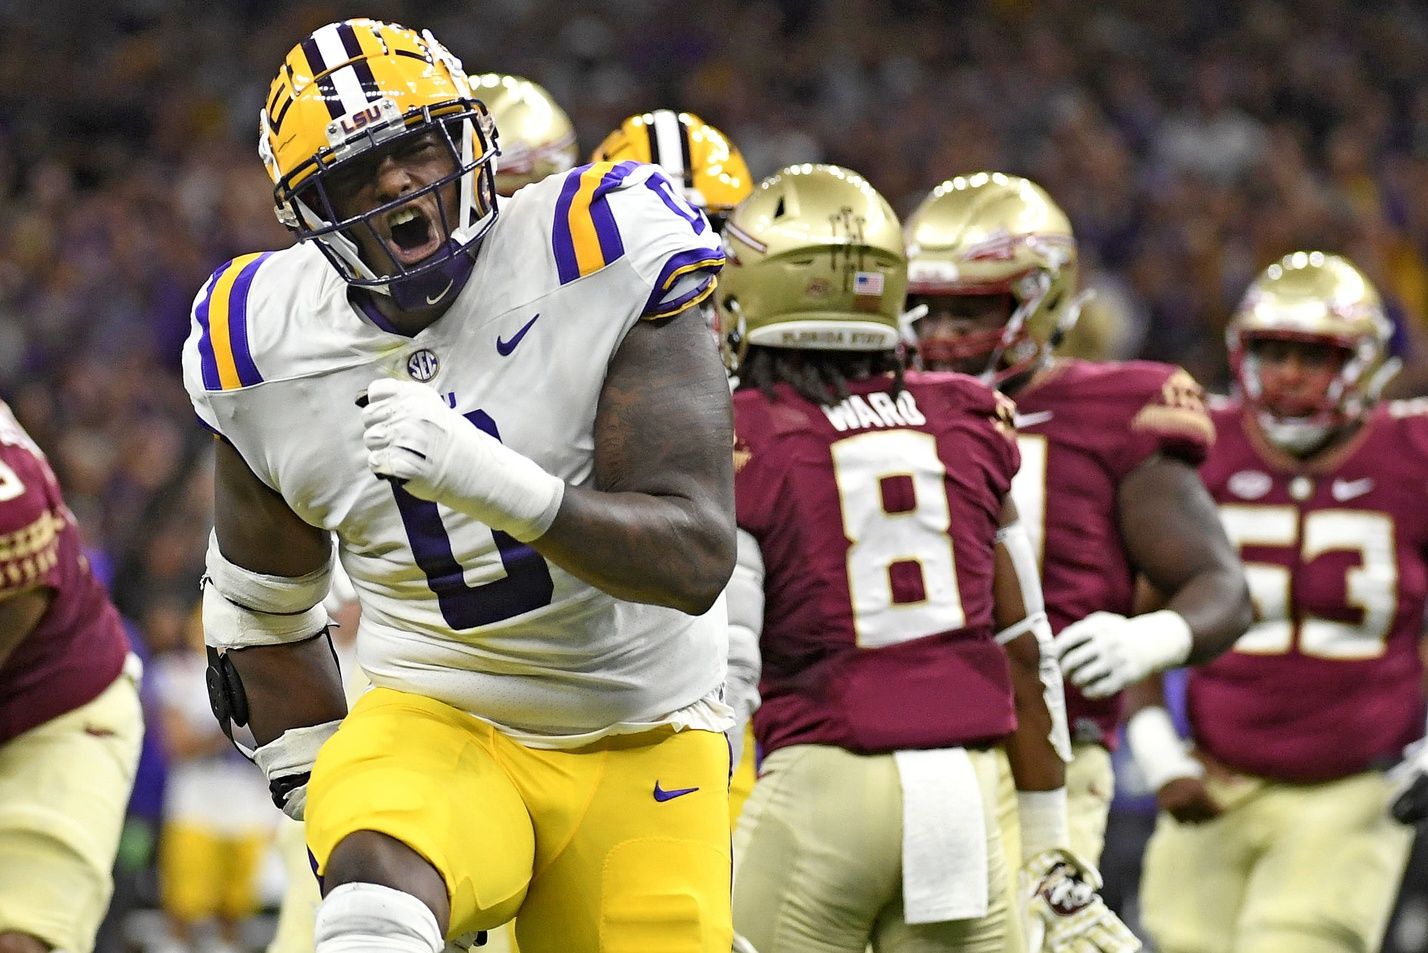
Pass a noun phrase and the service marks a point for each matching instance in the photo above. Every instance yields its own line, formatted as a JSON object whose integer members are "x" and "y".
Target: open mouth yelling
{"x": 412, "y": 235}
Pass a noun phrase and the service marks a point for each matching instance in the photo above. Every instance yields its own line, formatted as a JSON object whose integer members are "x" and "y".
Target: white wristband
{"x": 415, "y": 439}
{"x": 292, "y": 755}
{"x": 504, "y": 489}
{"x": 1159, "y": 751}
{"x": 1169, "y": 638}
{"x": 1043, "y": 821}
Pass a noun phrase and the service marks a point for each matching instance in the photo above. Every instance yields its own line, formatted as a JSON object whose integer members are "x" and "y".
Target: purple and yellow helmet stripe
{"x": 339, "y": 70}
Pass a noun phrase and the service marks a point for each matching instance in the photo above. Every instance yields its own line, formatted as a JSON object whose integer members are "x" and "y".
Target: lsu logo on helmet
{"x": 360, "y": 85}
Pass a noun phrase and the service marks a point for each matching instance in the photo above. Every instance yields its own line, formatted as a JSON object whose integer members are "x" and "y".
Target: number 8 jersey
{"x": 279, "y": 353}
{"x": 1327, "y": 682}
{"x": 876, "y": 520}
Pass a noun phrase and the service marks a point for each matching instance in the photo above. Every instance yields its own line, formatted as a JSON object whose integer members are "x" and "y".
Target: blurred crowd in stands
{"x": 1191, "y": 143}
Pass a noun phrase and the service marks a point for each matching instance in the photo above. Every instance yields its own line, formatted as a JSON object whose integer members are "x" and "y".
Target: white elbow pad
{"x": 242, "y": 608}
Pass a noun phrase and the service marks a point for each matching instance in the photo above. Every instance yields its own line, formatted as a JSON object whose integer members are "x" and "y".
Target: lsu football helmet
{"x": 692, "y": 153}
{"x": 537, "y": 137}
{"x": 991, "y": 234}
{"x": 814, "y": 261}
{"x": 1319, "y": 299}
{"x": 360, "y": 85}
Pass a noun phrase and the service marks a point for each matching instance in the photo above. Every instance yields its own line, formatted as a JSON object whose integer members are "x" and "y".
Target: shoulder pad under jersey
{"x": 605, "y": 212}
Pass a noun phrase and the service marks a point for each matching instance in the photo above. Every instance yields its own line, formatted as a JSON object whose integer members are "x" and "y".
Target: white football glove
{"x": 287, "y": 762}
{"x": 1062, "y": 911}
{"x": 1409, "y": 801}
{"x": 1105, "y": 652}
{"x": 434, "y": 453}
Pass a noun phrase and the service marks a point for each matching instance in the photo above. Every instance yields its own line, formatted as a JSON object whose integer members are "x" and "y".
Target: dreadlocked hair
{"x": 818, "y": 376}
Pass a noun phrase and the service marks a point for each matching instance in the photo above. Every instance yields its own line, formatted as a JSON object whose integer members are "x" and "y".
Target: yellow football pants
{"x": 621, "y": 846}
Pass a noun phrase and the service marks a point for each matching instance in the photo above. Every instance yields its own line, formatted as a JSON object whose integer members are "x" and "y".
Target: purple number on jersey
{"x": 527, "y": 585}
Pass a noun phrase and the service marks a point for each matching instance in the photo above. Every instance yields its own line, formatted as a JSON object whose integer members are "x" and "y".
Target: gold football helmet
{"x": 355, "y": 86}
{"x": 693, "y": 153}
{"x": 537, "y": 138}
{"x": 815, "y": 261}
{"x": 994, "y": 234}
{"x": 1314, "y": 298}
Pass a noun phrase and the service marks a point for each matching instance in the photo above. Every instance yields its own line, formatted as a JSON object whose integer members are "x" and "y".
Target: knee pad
{"x": 370, "y": 918}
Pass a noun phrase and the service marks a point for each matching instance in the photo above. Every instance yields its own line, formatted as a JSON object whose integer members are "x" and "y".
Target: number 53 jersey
{"x": 1327, "y": 682}
{"x": 876, "y": 519}
{"x": 279, "y": 353}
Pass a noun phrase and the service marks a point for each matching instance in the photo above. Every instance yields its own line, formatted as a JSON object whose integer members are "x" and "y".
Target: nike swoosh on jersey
{"x": 504, "y": 348}
{"x": 662, "y": 795}
{"x": 1343, "y": 490}
{"x": 1031, "y": 420}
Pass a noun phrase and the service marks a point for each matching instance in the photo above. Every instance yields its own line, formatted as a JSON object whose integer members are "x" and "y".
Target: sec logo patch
{"x": 422, "y": 365}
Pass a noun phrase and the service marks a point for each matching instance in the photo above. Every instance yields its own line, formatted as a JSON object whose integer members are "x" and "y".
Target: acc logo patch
{"x": 422, "y": 365}
{"x": 1250, "y": 484}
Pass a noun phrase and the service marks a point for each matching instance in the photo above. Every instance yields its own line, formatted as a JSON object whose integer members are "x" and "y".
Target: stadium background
{"x": 1191, "y": 142}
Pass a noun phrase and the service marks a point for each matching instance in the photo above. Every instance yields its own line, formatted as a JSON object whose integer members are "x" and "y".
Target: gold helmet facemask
{"x": 814, "y": 261}
{"x": 993, "y": 234}
{"x": 361, "y": 85}
{"x": 697, "y": 157}
{"x": 1314, "y": 298}
{"x": 537, "y": 137}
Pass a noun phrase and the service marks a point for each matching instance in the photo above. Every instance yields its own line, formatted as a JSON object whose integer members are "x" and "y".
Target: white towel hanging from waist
{"x": 944, "y": 836}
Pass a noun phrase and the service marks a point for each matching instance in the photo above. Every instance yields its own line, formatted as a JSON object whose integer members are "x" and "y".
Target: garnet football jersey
{"x": 1328, "y": 681}
{"x": 876, "y": 520}
{"x": 1082, "y": 428}
{"x": 78, "y": 647}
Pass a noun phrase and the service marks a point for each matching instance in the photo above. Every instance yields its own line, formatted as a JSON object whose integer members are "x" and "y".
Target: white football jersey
{"x": 279, "y": 354}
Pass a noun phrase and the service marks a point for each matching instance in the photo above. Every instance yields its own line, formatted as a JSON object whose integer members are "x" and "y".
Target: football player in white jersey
{"x": 519, "y": 432}
{"x": 714, "y": 178}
